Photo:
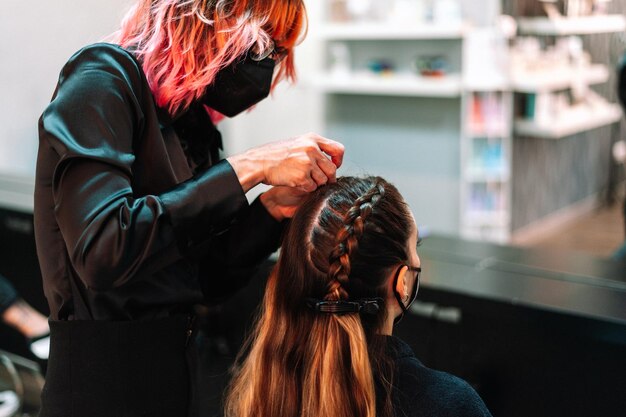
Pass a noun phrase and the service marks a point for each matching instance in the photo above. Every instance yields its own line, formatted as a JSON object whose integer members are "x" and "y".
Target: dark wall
{"x": 523, "y": 361}
{"x": 552, "y": 174}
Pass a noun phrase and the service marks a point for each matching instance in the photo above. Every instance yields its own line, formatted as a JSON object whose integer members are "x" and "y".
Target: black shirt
{"x": 419, "y": 391}
{"x": 134, "y": 216}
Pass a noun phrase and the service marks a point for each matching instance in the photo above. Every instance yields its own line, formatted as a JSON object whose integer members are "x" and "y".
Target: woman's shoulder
{"x": 100, "y": 85}
{"x": 425, "y": 391}
{"x": 101, "y": 60}
{"x": 103, "y": 52}
{"x": 100, "y": 74}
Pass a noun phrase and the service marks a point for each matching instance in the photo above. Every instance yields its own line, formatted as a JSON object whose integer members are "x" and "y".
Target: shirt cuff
{"x": 205, "y": 205}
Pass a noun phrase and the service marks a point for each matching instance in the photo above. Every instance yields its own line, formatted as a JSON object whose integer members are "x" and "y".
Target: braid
{"x": 347, "y": 241}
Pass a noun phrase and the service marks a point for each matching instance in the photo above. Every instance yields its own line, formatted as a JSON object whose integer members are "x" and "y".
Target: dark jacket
{"x": 135, "y": 221}
{"x": 419, "y": 391}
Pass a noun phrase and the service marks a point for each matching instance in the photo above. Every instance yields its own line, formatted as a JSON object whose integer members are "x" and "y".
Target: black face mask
{"x": 412, "y": 297}
{"x": 240, "y": 86}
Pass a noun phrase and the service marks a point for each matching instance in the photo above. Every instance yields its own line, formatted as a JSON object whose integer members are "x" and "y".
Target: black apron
{"x": 121, "y": 368}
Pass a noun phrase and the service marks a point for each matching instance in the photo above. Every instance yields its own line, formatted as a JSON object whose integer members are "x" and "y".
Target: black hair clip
{"x": 362, "y": 305}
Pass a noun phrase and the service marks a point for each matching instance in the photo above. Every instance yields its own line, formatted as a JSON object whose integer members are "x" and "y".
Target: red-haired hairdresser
{"x": 137, "y": 219}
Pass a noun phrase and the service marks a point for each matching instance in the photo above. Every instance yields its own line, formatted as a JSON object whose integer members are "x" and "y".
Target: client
{"x": 20, "y": 315}
{"x": 322, "y": 346}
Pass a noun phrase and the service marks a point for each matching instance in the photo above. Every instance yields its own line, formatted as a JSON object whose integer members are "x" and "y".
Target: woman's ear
{"x": 401, "y": 285}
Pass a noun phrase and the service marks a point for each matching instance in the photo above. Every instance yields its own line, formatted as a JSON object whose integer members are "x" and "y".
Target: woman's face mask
{"x": 240, "y": 86}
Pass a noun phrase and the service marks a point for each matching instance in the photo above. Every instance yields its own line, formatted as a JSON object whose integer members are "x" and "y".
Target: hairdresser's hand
{"x": 304, "y": 162}
{"x": 282, "y": 202}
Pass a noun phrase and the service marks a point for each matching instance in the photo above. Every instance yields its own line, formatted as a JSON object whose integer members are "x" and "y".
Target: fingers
{"x": 334, "y": 149}
{"x": 318, "y": 176}
{"x": 301, "y": 162}
{"x": 323, "y": 170}
{"x": 297, "y": 193}
{"x": 328, "y": 168}
{"x": 282, "y": 201}
{"x": 308, "y": 186}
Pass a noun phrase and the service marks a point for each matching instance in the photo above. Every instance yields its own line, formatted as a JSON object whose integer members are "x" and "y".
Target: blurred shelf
{"x": 478, "y": 175}
{"x": 382, "y": 31}
{"x": 393, "y": 85}
{"x": 572, "y": 25}
{"x": 487, "y": 218}
{"x": 560, "y": 80}
{"x": 487, "y": 132}
{"x": 576, "y": 122}
{"x": 492, "y": 85}
{"x": 16, "y": 192}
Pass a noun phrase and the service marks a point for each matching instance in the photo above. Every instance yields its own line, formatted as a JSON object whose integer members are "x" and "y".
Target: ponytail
{"x": 338, "y": 379}
{"x": 324, "y": 371}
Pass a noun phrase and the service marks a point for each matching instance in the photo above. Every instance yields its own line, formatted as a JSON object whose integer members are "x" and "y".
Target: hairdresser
{"x": 137, "y": 218}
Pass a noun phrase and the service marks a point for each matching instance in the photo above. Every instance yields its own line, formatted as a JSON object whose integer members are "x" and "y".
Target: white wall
{"x": 36, "y": 39}
{"x": 35, "y": 42}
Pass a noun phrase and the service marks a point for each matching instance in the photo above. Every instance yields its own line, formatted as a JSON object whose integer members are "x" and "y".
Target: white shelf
{"x": 477, "y": 175}
{"x": 572, "y": 26}
{"x": 382, "y": 31}
{"x": 490, "y": 132}
{"x": 393, "y": 85}
{"x": 575, "y": 122}
{"x": 495, "y": 84}
{"x": 559, "y": 80}
{"x": 496, "y": 219}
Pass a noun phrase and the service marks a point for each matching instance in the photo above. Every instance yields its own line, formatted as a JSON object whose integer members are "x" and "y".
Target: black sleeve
{"x": 112, "y": 235}
{"x": 232, "y": 258}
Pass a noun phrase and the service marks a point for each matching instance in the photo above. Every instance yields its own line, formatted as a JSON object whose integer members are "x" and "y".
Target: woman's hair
{"x": 342, "y": 244}
{"x": 182, "y": 44}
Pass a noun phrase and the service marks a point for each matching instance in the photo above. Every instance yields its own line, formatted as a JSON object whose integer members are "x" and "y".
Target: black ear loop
{"x": 413, "y": 295}
{"x": 398, "y": 298}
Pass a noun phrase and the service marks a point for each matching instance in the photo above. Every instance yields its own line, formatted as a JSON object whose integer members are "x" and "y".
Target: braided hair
{"x": 354, "y": 231}
{"x": 347, "y": 241}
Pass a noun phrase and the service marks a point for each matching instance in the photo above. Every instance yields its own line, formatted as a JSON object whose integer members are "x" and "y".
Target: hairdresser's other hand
{"x": 304, "y": 162}
{"x": 282, "y": 202}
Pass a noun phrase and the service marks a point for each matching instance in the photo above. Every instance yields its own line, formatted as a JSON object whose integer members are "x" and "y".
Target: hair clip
{"x": 362, "y": 305}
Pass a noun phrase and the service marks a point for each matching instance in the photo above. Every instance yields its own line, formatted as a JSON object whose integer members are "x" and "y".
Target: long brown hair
{"x": 342, "y": 244}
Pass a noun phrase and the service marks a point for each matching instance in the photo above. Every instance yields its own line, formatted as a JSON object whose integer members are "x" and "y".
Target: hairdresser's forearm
{"x": 248, "y": 171}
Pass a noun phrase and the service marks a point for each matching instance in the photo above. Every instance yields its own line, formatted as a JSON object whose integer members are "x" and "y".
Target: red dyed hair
{"x": 182, "y": 44}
